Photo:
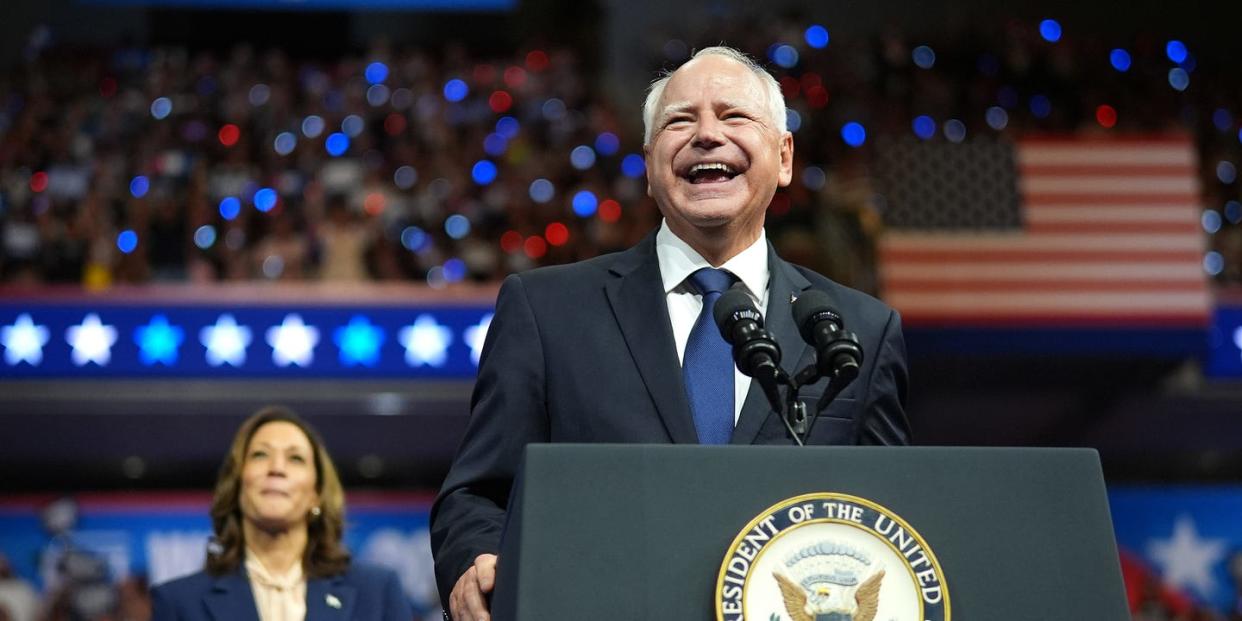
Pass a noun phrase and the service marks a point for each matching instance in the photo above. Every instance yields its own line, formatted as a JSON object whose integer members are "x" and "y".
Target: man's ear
{"x": 787, "y": 150}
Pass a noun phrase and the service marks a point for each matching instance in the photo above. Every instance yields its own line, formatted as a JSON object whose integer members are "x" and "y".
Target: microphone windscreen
{"x": 812, "y": 307}
{"x": 734, "y": 304}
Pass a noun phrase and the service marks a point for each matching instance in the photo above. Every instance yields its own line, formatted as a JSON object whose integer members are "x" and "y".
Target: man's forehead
{"x": 734, "y": 84}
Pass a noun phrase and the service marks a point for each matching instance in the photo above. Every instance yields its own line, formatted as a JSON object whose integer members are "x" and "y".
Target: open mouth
{"x": 711, "y": 172}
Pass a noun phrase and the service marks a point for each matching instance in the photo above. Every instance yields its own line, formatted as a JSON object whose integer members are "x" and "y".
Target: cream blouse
{"x": 277, "y": 597}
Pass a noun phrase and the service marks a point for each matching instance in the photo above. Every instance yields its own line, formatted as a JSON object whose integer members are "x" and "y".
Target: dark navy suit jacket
{"x": 585, "y": 353}
{"x": 360, "y": 594}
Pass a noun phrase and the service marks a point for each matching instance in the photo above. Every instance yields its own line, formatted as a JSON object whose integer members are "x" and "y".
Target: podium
{"x": 629, "y": 532}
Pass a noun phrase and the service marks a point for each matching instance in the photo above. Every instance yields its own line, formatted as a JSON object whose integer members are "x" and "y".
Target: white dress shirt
{"x": 277, "y": 597}
{"x": 678, "y": 261}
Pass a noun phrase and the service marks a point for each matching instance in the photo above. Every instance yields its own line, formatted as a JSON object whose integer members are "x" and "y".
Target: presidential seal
{"x": 830, "y": 557}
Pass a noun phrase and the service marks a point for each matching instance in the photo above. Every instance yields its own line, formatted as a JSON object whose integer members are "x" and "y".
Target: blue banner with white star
{"x": 1190, "y": 537}
{"x": 79, "y": 340}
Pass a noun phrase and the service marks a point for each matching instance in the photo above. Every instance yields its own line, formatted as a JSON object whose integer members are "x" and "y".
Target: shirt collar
{"x": 257, "y": 570}
{"x": 678, "y": 260}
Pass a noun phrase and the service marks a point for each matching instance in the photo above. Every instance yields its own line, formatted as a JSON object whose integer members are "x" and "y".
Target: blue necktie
{"x": 708, "y": 364}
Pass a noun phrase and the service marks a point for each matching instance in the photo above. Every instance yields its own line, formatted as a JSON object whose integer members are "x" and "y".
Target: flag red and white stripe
{"x": 1112, "y": 236}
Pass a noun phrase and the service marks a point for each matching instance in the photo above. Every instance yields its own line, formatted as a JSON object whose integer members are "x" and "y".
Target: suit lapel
{"x": 637, "y": 300}
{"x": 329, "y": 599}
{"x": 784, "y": 283}
{"x": 230, "y": 598}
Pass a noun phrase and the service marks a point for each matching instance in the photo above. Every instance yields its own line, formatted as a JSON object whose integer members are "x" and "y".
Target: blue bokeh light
{"x": 376, "y": 72}
{"x": 1119, "y": 59}
{"x": 265, "y": 199}
{"x": 405, "y": 177}
{"x": 793, "y": 120}
{"x": 996, "y": 117}
{"x": 161, "y": 108}
{"x": 854, "y": 134}
{"x": 1222, "y": 119}
{"x": 230, "y": 207}
{"x": 553, "y": 109}
{"x": 353, "y": 125}
{"x": 607, "y": 144}
{"x": 377, "y": 95}
{"x": 454, "y": 270}
{"x": 285, "y": 143}
{"x": 205, "y": 236}
{"x": 457, "y": 226}
{"x": 1213, "y": 263}
{"x": 816, "y": 36}
{"x": 633, "y": 165}
{"x": 924, "y": 127}
{"x": 1041, "y": 107}
{"x": 954, "y": 130}
{"x": 337, "y": 144}
{"x": 924, "y": 57}
{"x": 582, "y": 157}
{"x": 1211, "y": 221}
{"x": 1233, "y": 211}
{"x": 1050, "y": 30}
{"x": 312, "y": 126}
{"x": 139, "y": 186}
{"x": 127, "y": 241}
{"x": 585, "y": 204}
{"x": 1176, "y": 51}
{"x": 484, "y": 172}
{"x": 414, "y": 238}
{"x": 784, "y": 56}
{"x": 1179, "y": 79}
{"x": 455, "y": 90}
{"x": 542, "y": 190}
{"x": 508, "y": 127}
{"x": 495, "y": 145}
{"x": 1226, "y": 172}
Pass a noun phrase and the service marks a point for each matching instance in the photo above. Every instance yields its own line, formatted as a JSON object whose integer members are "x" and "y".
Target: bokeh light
{"x": 454, "y": 270}
{"x": 161, "y": 108}
{"x": 854, "y": 134}
{"x": 353, "y": 125}
{"x": 259, "y": 94}
{"x": 500, "y": 101}
{"x": 582, "y": 157}
{"x": 457, "y": 226}
{"x": 229, "y": 135}
{"x": 924, "y": 127}
{"x": 610, "y": 211}
{"x": 1176, "y": 51}
{"x": 634, "y": 166}
{"x": 376, "y": 72}
{"x": 954, "y": 130}
{"x": 377, "y": 95}
{"x": 1040, "y": 106}
{"x": 924, "y": 57}
{"x": 127, "y": 241}
{"x": 1179, "y": 79}
{"x": 793, "y": 120}
{"x": 1050, "y": 30}
{"x": 607, "y": 143}
{"x": 265, "y": 199}
{"x": 542, "y": 190}
{"x": 1213, "y": 263}
{"x": 557, "y": 234}
{"x": 38, "y": 182}
{"x": 455, "y": 90}
{"x": 553, "y": 109}
{"x": 205, "y": 236}
{"x": 535, "y": 247}
{"x": 585, "y": 204}
{"x": 139, "y": 186}
{"x": 814, "y": 178}
{"x": 312, "y": 126}
{"x": 508, "y": 127}
{"x": 484, "y": 172}
{"x": 1222, "y": 119}
{"x": 285, "y": 143}
{"x": 414, "y": 238}
{"x": 1233, "y": 211}
{"x": 1226, "y": 172}
{"x": 495, "y": 145}
{"x": 1106, "y": 116}
{"x": 1119, "y": 59}
{"x": 784, "y": 55}
{"x": 230, "y": 207}
{"x": 405, "y": 177}
{"x": 1211, "y": 221}
{"x": 997, "y": 118}
{"x": 816, "y": 36}
{"x": 337, "y": 144}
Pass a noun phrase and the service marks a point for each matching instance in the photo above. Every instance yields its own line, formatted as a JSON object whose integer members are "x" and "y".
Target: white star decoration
{"x": 225, "y": 341}
{"x": 293, "y": 342}
{"x": 476, "y": 335}
{"x": 1237, "y": 338}
{"x": 24, "y": 341}
{"x": 425, "y": 341}
{"x": 91, "y": 341}
{"x": 1187, "y": 560}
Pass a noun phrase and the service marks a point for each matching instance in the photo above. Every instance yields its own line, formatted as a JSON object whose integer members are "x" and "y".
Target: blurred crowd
{"x": 133, "y": 165}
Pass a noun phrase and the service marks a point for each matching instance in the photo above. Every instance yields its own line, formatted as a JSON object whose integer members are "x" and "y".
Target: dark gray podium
{"x": 629, "y": 532}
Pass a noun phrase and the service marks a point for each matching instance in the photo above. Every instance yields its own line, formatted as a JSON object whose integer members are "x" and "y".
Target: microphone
{"x": 839, "y": 355}
{"x": 754, "y": 350}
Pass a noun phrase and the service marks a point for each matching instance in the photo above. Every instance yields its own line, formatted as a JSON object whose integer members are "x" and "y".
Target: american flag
{"x": 1051, "y": 231}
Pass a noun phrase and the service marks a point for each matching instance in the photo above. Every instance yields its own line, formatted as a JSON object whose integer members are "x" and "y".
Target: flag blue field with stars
{"x": 1186, "y": 535}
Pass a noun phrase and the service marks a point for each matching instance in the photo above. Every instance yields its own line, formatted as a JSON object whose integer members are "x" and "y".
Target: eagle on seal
{"x": 831, "y": 603}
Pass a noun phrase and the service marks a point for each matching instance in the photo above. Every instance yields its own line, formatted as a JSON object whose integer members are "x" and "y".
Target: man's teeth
{"x": 714, "y": 166}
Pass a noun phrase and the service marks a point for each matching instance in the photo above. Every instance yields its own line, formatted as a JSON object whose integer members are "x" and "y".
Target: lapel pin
{"x": 332, "y": 600}
{"x": 793, "y": 297}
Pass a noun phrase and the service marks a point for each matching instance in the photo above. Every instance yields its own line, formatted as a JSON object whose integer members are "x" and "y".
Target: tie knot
{"x": 710, "y": 280}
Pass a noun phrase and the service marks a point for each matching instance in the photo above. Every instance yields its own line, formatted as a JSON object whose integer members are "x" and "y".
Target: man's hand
{"x": 467, "y": 601}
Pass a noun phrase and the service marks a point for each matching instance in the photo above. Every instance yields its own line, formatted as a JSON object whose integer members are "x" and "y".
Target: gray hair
{"x": 772, "y": 89}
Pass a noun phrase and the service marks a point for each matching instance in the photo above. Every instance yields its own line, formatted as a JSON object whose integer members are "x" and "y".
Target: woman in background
{"x": 278, "y": 514}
